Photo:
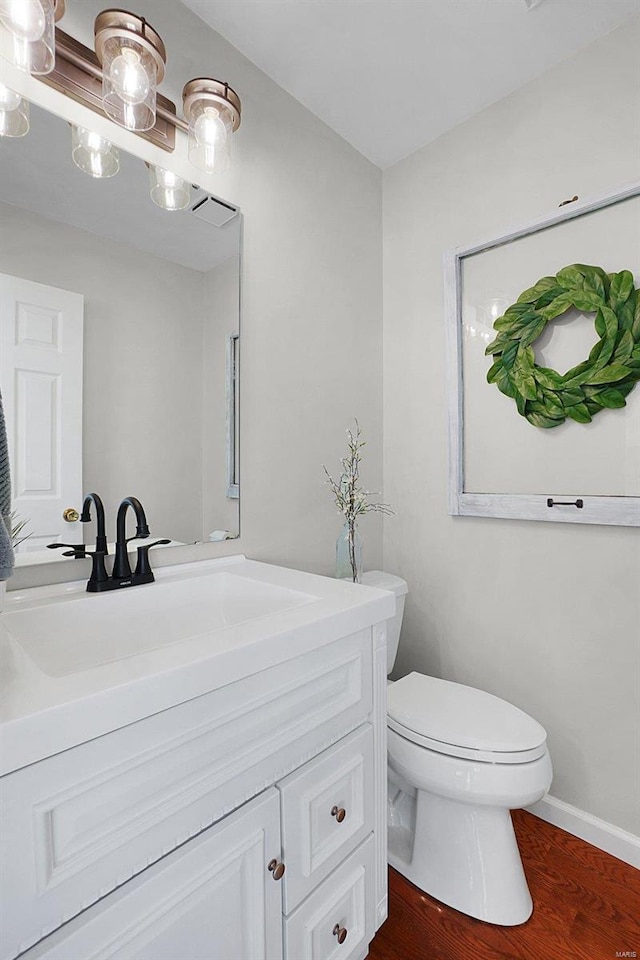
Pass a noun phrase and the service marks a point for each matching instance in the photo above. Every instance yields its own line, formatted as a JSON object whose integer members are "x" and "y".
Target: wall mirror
{"x": 119, "y": 326}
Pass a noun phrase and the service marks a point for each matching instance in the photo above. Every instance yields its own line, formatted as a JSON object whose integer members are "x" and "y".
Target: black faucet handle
{"x": 76, "y": 548}
{"x": 143, "y": 567}
{"x": 78, "y": 551}
{"x": 98, "y": 570}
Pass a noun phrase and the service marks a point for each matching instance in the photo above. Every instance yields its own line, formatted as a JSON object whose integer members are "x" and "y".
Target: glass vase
{"x": 349, "y": 554}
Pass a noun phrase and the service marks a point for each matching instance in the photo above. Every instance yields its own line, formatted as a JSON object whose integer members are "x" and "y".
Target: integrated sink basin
{"x": 89, "y": 630}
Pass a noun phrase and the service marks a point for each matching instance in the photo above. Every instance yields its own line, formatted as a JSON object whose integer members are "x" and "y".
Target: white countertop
{"x": 44, "y": 710}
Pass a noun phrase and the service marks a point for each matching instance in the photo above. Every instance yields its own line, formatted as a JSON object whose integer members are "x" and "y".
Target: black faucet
{"x": 98, "y": 572}
{"x": 121, "y": 567}
{"x": 99, "y": 577}
{"x": 85, "y": 517}
{"x": 121, "y": 575}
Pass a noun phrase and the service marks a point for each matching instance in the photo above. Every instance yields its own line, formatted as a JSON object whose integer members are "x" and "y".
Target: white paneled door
{"x": 41, "y": 331}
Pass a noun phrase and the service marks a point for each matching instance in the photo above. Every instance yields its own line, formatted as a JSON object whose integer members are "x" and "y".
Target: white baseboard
{"x": 625, "y": 846}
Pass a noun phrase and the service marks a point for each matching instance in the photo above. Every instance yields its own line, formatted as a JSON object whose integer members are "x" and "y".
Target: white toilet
{"x": 459, "y": 760}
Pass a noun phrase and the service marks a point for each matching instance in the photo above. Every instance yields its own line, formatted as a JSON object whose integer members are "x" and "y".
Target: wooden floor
{"x": 586, "y": 907}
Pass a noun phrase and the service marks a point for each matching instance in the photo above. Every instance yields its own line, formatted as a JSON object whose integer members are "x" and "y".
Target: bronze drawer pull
{"x": 339, "y": 813}
{"x": 340, "y": 933}
{"x": 277, "y": 869}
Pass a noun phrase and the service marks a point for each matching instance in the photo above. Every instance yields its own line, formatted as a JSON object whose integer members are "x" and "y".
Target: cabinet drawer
{"x": 343, "y": 902}
{"x": 327, "y": 810}
{"x": 83, "y": 822}
{"x": 213, "y": 899}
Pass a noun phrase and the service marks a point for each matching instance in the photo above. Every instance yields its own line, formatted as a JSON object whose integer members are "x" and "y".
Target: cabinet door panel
{"x": 344, "y": 902}
{"x": 212, "y": 899}
{"x": 327, "y": 810}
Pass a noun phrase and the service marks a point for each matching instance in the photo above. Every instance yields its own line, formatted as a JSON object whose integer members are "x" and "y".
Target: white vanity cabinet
{"x": 163, "y": 839}
{"x": 210, "y": 898}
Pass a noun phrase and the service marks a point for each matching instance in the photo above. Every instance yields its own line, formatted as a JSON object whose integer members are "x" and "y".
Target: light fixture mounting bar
{"x": 78, "y": 74}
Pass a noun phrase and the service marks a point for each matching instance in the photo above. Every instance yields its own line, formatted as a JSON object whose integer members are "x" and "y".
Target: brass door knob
{"x": 71, "y": 515}
{"x": 340, "y": 933}
{"x": 339, "y": 813}
{"x": 276, "y": 868}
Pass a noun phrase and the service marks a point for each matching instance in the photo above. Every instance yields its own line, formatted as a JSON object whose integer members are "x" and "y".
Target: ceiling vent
{"x": 213, "y": 211}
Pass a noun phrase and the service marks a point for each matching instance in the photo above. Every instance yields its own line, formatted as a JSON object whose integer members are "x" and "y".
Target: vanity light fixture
{"x": 14, "y": 113}
{"x": 31, "y": 24}
{"x": 168, "y": 190}
{"x": 93, "y": 154}
{"x": 133, "y": 59}
{"x": 213, "y": 112}
{"x": 120, "y": 79}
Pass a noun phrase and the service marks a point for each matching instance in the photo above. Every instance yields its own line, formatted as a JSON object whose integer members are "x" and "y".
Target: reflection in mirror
{"x": 119, "y": 327}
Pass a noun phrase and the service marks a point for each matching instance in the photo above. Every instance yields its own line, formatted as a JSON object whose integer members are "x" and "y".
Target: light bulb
{"x": 93, "y": 141}
{"x": 31, "y": 24}
{"x": 168, "y": 179}
{"x": 211, "y": 135}
{"x": 14, "y": 113}
{"x": 133, "y": 58}
{"x": 9, "y": 99}
{"x": 25, "y": 19}
{"x": 212, "y": 109}
{"x": 93, "y": 154}
{"x": 209, "y": 129}
{"x": 168, "y": 190}
{"x": 129, "y": 77}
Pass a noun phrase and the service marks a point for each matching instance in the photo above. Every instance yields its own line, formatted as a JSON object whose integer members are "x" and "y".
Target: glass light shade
{"x": 31, "y": 24}
{"x": 93, "y": 154}
{"x": 168, "y": 190}
{"x": 210, "y": 129}
{"x": 129, "y": 83}
{"x": 14, "y": 113}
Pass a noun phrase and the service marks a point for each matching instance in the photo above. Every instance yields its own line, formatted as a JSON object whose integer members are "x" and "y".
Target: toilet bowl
{"x": 459, "y": 759}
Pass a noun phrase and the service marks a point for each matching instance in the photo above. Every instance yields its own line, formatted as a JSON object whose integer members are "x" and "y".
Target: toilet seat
{"x": 461, "y": 721}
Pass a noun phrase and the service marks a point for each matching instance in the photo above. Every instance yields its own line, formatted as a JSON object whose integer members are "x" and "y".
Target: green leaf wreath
{"x": 542, "y": 395}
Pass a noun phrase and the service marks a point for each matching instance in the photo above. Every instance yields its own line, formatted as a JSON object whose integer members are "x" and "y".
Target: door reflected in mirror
{"x": 119, "y": 326}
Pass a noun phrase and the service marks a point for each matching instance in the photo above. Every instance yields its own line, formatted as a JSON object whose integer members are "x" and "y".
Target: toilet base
{"x": 462, "y": 854}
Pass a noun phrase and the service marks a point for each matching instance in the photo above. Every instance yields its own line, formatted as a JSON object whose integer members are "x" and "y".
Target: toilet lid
{"x": 442, "y": 714}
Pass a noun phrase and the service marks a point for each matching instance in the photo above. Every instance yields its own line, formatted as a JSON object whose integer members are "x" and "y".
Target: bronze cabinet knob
{"x": 71, "y": 515}
{"x": 339, "y": 813}
{"x": 340, "y": 933}
{"x": 276, "y": 868}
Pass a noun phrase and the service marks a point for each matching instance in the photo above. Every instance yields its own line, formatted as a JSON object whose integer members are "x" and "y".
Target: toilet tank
{"x": 398, "y": 586}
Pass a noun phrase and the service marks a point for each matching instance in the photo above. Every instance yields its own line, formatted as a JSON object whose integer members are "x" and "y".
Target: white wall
{"x": 544, "y": 615}
{"x": 311, "y": 291}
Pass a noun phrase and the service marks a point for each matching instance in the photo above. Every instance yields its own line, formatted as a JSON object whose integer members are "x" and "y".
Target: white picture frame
{"x": 619, "y": 510}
